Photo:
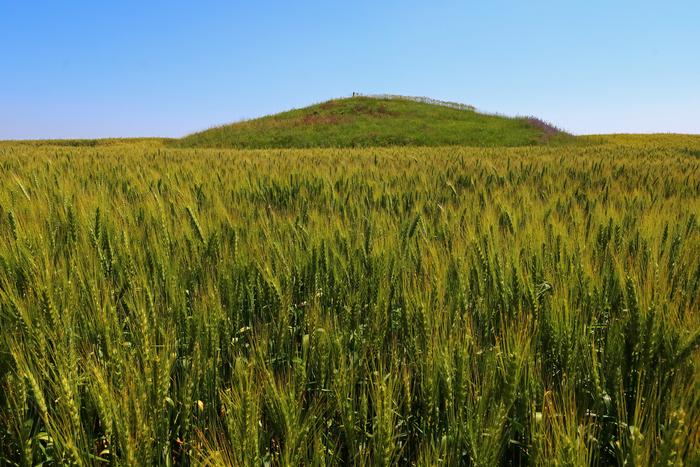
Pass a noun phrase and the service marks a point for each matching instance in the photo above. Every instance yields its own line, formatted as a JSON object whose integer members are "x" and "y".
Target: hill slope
{"x": 366, "y": 121}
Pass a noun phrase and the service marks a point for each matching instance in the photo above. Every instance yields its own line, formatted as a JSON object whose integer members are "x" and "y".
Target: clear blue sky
{"x": 150, "y": 68}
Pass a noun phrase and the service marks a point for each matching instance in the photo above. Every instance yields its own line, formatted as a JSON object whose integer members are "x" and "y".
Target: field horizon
{"x": 368, "y": 121}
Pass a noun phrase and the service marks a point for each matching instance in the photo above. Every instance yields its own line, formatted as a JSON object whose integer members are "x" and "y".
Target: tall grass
{"x": 522, "y": 306}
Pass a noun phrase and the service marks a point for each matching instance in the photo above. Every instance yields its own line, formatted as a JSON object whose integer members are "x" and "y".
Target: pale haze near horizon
{"x": 84, "y": 70}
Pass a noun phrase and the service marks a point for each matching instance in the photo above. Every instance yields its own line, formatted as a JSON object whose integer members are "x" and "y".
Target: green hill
{"x": 369, "y": 121}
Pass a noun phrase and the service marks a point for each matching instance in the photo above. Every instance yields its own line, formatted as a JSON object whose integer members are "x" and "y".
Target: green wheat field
{"x": 531, "y": 305}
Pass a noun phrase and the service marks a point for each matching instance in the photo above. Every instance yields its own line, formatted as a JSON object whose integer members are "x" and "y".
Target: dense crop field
{"x": 512, "y": 306}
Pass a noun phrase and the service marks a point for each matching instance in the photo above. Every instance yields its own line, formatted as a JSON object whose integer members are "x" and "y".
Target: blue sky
{"x": 148, "y": 68}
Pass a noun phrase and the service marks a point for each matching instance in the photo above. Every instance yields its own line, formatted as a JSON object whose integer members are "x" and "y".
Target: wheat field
{"x": 413, "y": 306}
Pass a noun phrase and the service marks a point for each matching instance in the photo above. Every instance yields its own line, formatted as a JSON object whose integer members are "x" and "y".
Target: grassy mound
{"x": 365, "y": 121}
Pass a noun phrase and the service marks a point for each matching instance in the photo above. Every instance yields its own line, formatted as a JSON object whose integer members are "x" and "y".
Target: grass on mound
{"x": 364, "y": 122}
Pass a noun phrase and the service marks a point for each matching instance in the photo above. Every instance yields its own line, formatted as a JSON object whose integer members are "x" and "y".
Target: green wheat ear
{"x": 194, "y": 223}
{"x": 13, "y": 224}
